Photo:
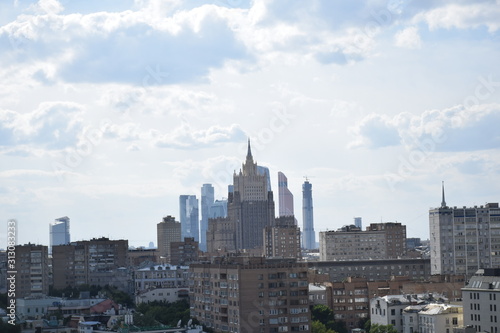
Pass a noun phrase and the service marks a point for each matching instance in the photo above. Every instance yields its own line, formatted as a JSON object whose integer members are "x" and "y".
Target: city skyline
{"x": 111, "y": 110}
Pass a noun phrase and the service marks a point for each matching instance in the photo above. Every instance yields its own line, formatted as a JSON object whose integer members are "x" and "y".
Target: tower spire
{"x": 249, "y": 153}
{"x": 443, "y": 201}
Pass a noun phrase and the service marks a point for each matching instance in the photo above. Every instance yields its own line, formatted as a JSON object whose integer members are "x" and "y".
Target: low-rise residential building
{"x": 388, "y": 310}
{"x": 481, "y": 301}
{"x": 440, "y": 318}
{"x": 161, "y": 283}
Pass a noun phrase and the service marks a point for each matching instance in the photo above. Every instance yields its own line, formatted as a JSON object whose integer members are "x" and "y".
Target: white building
{"x": 464, "y": 239}
{"x": 59, "y": 232}
{"x": 161, "y": 283}
{"x": 481, "y": 301}
{"x": 389, "y": 310}
{"x": 440, "y": 318}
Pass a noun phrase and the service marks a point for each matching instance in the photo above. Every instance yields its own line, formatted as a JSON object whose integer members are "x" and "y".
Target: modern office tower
{"x": 285, "y": 196}
{"x": 481, "y": 301}
{"x": 309, "y": 237}
{"x": 262, "y": 170}
{"x": 251, "y": 294}
{"x": 282, "y": 240}
{"x": 99, "y": 261}
{"x": 358, "y": 222}
{"x": 59, "y": 232}
{"x": 207, "y": 199}
{"x": 32, "y": 271}
{"x": 250, "y": 210}
{"x": 189, "y": 216}
{"x": 379, "y": 241}
{"x": 463, "y": 240}
{"x": 185, "y": 252}
{"x": 167, "y": 231}
{"x": 218, "y": 209}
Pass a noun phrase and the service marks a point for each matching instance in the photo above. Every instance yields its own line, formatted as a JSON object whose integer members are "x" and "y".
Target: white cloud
{"x": 408, "y": 38}
{"x": 462, "y": 16}
{"x": 53, "y": 125}
{"x": 452, "y": 129}
{"x": 47, "y": 7}
{"x": 185, "y": 137}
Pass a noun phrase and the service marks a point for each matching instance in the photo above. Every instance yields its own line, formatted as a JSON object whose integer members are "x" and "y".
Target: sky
{"x": 111, "y": 109}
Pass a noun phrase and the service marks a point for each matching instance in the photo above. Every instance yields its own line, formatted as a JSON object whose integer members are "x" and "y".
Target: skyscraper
{"x": 59, "y": 232}
{"x": 309, "y": 238}
{"x": 285, "y": 196}
{"x": 167, "y": 231}
{"x": 358, "y": 222}
{"x": 250, "y": 210}
{"x": 189, "y": 216}
{"x": 465, "y": 239}
{"x": 207, "y": 199}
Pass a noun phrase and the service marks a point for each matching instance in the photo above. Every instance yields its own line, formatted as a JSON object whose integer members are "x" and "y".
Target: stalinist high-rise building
{"x": 250, "y": 209}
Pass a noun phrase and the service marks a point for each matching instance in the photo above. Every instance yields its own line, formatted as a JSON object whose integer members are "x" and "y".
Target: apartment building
{"x": 378, "y": 241}
{"x": 32, "y": 267}
{"x": 251, "y": 294}
{"x": 481, "y": 301}
{"x": 99, "y": 261}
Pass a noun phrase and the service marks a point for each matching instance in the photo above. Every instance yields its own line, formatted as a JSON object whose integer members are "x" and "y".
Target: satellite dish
{"x": 190, "y": 322}
{"x": 179, "y": 323}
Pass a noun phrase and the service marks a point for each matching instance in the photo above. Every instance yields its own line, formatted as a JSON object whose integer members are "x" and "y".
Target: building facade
{"x": 440, "y": 318}
{"x": 161, "y": 283}
{"x": 167, "y": 231}
{"x": 99, "y": 261}
{"x": 388, "y": 310}
{"x": 481, "y": 301}
{"x": 464, "y": 239}
{"x": 185, "y": 252}
{"x": 32, "y": 267}
{"x": 251, "y": 294}
{"x": 379, "y": 241}
{"x": 189, "y": 216}
{"x": 283, "y": 239}
{"x": 59, "y": 232}
{"x": 374, "y": 270}
{"x": 309, "y": 235}
{"x": 285, "y": 196}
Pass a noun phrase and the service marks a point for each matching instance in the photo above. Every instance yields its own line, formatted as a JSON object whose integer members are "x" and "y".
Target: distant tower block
{"x": 285, "y": 196}
{"x": 358, "y": 223}
{"x": 309, "y": 238}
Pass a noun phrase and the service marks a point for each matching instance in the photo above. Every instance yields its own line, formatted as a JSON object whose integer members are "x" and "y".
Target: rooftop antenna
{"x": 443, "y": 201}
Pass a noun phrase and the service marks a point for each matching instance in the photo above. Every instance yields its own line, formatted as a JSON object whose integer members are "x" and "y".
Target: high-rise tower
{"x": 464, "y": 239}
{"x": 59, "y": 232}
{"x": 309, "y": 238}
{"x": 167, "y": 231}
{"x": 207, "y": 200}
{"x": 285, "y": 196}
{"x": 189, "y": 216}
{"x": 250, "y": 209}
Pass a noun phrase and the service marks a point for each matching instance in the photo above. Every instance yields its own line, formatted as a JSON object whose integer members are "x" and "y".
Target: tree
{"x": 376, "y": 328}
{"x": 324, "y": 315}
{"x": 319, "y": 327}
